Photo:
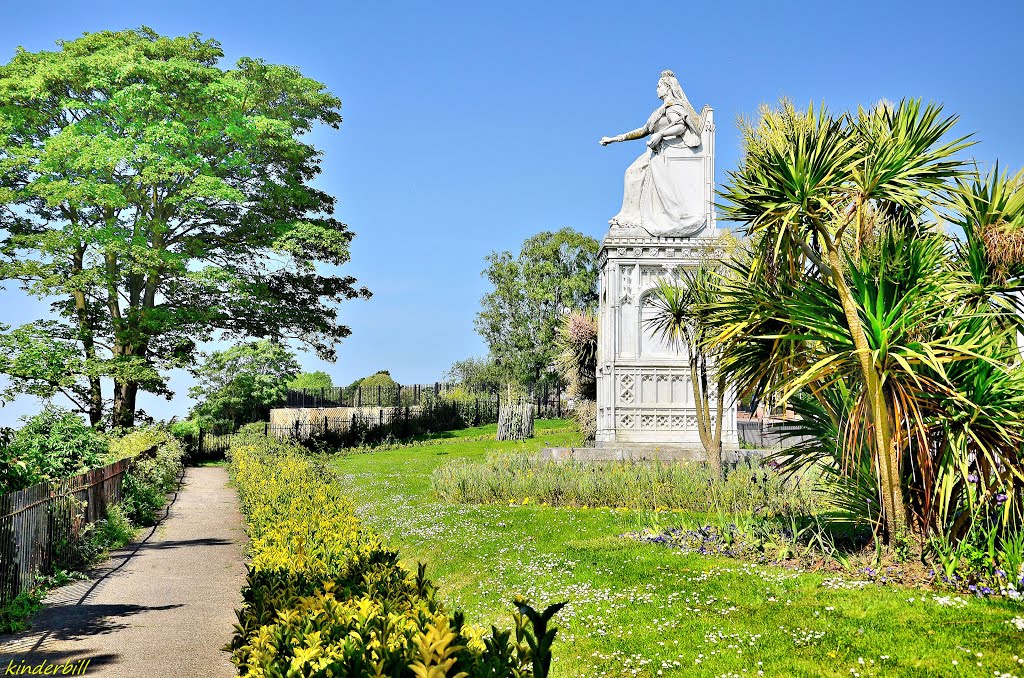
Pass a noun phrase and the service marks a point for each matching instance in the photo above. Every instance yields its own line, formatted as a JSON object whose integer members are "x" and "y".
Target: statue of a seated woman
{"x": 657, "y": 197}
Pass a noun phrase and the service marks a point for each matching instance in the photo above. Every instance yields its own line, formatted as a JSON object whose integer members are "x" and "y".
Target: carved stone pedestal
{"x": 644, "y": 392}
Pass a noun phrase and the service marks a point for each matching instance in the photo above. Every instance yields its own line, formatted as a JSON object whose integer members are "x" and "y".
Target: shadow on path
{"x": 161, "y": 606}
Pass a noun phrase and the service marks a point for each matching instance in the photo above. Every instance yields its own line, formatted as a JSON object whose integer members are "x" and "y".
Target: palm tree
{"x": 818, "y": 195}
{"x": 681, "y": 319}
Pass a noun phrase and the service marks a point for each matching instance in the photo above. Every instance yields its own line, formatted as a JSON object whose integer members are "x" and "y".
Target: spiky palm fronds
{"x": 683, "y": 317}
{"x": 577, "y": 353}
{"x": 850, "y": 287}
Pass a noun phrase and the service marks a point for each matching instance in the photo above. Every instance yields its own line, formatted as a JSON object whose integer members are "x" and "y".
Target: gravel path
{"x": 162, "y": 606}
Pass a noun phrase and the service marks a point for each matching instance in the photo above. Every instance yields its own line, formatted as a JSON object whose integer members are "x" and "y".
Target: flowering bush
{"x": 325, "y": 597}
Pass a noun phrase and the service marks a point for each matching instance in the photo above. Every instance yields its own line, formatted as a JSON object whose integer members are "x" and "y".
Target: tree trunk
{"x": 95, "y": 401}
{"x": 515, "y": 421}
{"x": 88, "y": 343}
{"x": 710, "y": 437}
{"x": 125, "y": 393}
{"x": 715, "y": 453}
{"x": 893, "y": 509}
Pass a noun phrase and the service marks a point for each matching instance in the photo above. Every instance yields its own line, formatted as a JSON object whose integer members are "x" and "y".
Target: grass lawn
{"x": 646, "y": 610}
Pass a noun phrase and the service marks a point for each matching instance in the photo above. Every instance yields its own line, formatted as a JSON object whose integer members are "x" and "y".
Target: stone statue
{"x": 662, "y": 191}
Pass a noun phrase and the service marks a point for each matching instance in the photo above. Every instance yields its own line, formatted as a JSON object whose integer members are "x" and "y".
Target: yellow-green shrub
{"x": 325, "y": 597}
{"x": 155, "y": 471}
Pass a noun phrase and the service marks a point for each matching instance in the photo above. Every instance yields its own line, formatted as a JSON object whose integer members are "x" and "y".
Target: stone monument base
{"x": 644, "y": 384}
{"x": 628, "y": 453}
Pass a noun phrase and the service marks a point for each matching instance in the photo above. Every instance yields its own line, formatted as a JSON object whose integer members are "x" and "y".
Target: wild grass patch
{"x": 522, "y": 477}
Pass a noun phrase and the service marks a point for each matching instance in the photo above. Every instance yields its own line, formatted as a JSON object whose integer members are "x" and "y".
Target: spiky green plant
{"x": 850, "y": 283}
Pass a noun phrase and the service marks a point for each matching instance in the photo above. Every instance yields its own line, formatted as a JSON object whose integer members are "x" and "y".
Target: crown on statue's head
{"x": 668, "y": 74}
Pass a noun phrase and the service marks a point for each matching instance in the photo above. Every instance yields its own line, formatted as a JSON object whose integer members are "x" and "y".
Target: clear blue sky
{"x": 470, "y": 126}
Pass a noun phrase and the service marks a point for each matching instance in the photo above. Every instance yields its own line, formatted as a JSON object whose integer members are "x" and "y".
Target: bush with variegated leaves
{"x": 325, "y": 597}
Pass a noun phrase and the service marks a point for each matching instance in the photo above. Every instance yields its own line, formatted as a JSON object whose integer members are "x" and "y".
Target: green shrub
{"x": 14, "y": 614}
{"x": 51, "y": 445}
{"x": 519, "y": 477}
{"x": 325, "y": 597}
{"x": 311, "y": 380}
{"x": 183, "y": 429}
{"x": 112, "y": 532}
{"x": 154, "y": 473}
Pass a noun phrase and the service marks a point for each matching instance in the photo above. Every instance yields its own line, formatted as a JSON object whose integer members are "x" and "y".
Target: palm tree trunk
{"x": 699, "y": 401}
{"x": 894, "y": 513}
{"x": 715, "y": 453}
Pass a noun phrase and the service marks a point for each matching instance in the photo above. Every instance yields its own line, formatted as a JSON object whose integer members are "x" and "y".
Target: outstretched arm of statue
{"x": 638, "y": 133}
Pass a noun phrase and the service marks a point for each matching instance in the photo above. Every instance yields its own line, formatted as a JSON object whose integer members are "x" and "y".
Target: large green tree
{"x": 555, "y": 272}
{"x": 240, "y": 384}
{"x": 476, "y": 374}
{"x": 158, "y": 200}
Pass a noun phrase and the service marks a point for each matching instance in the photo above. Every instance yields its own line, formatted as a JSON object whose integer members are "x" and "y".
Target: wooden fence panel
{"x": 40, "y": 525}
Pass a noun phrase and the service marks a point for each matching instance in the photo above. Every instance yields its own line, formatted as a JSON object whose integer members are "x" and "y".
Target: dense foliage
{"x": 51, "y": 445}
{"x": 378, "y": 388}
{"x": 895, "y": 340}
{"x": 156, "y": 471}
{"x": 316, "y": 379}
{"x": 241, "y": 384}
{"x": 158, "y": 200}
{"x": 553, "y": 273}
{"x": 325, "y": 597}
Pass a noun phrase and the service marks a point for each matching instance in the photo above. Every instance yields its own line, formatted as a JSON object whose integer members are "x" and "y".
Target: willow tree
{"x": 158, "y": 200}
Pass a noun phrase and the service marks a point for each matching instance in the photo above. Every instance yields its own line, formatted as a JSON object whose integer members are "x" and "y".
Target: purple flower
{"x": 1001, "y": 498}
{"x": 972, "y": 478}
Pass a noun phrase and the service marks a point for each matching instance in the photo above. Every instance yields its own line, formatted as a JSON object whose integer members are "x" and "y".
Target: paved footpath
{"x": 162, "y": 606}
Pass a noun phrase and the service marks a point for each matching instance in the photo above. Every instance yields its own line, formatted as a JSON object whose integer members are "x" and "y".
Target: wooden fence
{"x": 40, "y": 525}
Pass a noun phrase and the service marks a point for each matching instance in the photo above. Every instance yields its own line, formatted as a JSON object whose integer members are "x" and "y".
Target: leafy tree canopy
{"x": 555, "y": 272}
{"x": 311, "y": 380}
{"x": 477, "y": 374}
{"x": 382, "y": 378}
{"x": 159, "y": 200}
{"x": 241, "y": 384}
